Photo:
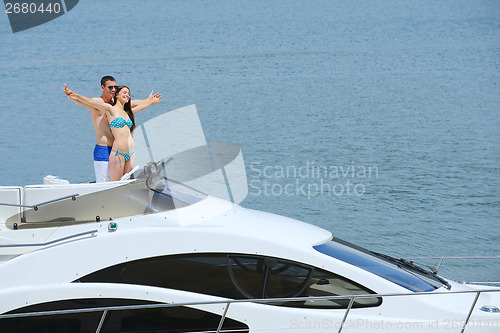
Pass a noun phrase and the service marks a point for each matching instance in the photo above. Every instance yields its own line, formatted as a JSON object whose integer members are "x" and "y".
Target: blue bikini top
{"x": 119, "y": 122}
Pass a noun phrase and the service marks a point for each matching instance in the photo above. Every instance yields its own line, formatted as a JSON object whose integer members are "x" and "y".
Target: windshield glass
{"x": 177, "y": 137}
{"x": 398, "y": 271}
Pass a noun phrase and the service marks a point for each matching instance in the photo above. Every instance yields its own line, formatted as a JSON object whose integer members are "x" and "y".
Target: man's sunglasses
{"x": 112, "y": 87}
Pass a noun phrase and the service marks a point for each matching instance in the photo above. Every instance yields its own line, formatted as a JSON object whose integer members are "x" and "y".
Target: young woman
{"x": 121, "y": 121}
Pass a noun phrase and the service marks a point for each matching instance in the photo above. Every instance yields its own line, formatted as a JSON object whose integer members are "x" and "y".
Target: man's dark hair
{"x": 106, "y": 78}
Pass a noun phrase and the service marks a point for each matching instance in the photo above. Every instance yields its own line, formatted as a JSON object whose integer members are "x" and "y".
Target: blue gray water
{"x": 377, "y": 120}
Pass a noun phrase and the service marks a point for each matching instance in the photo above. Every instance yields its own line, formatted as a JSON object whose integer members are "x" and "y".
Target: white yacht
{"x": 152, "y": 254}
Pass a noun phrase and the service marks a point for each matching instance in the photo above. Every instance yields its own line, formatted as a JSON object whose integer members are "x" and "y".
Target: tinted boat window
{"x": 70, "y": 323}
{"x": 238, "y": 276}
{"x": 411, "y": 280}
{"x": 166, "y": 320}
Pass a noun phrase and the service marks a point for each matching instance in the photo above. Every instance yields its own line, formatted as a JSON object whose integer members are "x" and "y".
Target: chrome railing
{"x": 441, "y": 259}
{"x": 91, "y": 233}
{"x": 106, "y": 310}
{"x": 35, "y": 207}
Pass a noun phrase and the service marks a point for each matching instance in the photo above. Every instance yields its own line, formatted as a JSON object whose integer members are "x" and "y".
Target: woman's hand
{"x": 85, "y": 101}
{"x": 68, "y": 92}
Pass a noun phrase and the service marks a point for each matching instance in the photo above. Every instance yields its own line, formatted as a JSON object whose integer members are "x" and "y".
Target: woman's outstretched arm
{"x": 82, "y": 100}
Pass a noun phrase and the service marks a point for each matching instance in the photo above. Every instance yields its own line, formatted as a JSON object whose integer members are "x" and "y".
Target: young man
{"x": 101, "y": 126}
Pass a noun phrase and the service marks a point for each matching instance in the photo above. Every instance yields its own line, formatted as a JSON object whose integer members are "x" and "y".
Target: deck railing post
{"x": 351, "y": 302}
{"x": 223, "y": 317}
{"x": 101, "y": 322}
{"x": 439, "y": 264}
{"x": 470, "y": 312}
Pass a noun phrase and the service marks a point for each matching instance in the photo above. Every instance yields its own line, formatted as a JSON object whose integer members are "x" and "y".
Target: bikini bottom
{"x": 126, "y": 156}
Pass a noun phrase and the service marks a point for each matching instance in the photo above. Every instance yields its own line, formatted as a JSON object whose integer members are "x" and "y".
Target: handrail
{"x": 35, "y": 207}
{"x": 441, "y": 259}
{"x": 52, "y": 241}
{"x": 227, "y": 303}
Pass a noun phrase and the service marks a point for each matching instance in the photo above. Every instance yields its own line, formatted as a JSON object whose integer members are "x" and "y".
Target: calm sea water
{"x": 377, "y": 120}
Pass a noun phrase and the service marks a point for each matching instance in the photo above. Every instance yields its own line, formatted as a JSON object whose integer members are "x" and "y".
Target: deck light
{"x": 112, "y": 226}
{"x": 490, "y": 308}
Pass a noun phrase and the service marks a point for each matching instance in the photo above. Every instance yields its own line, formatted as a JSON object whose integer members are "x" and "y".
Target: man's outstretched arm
{"x": 153, "y": 99}
{"x": 135, "y": 102}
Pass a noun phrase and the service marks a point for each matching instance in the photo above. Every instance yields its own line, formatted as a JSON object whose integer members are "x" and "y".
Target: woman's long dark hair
{"x": 127, "y": 107}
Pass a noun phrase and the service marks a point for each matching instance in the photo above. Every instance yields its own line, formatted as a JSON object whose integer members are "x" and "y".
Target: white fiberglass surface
{"x": 150, "y": 194}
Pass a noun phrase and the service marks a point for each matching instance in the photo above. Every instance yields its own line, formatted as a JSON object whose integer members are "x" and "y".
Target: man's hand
{"x": 156, "y": 98}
